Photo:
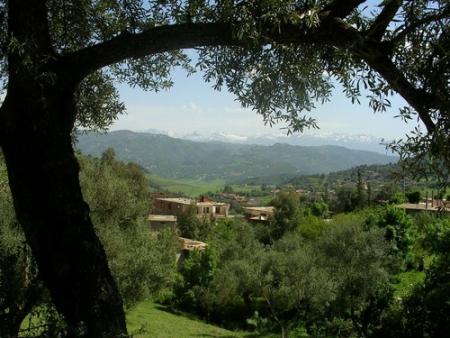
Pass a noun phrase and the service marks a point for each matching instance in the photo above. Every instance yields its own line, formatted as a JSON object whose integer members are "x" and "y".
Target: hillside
{"x": 150, "y": 320}
{"x": 376, "y": 174}
{"x": 176, "y": 158}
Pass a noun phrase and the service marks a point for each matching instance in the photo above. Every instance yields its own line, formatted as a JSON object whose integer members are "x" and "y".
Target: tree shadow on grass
{"x": 188, "y": 315}
{"x": 250, "y": 335}
{"x": 173, "y": 311}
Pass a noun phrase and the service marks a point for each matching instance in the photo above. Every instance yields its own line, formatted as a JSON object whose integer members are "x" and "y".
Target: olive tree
{"x": 59, "y": 61}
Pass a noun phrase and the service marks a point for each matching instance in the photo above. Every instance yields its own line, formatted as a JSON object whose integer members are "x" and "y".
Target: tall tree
{"x": 59, "y": 60}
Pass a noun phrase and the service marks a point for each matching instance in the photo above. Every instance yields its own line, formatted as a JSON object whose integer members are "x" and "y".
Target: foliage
{"x": 398, "y": 227}
{"x": 228, "y": 189}
{"x": 396, "y": 198}
{"x": 118, "y": 196}
{"x": 346, "y": 200}
{"x": 340, "y": 276}
{"x": 319, "y": 209}
{"x": 293, "y": 283}
{"x": 191, "y": 226}
{"x": 287, "y": 215}
{"x": 117, "y": 193}
{"x": 142, "y": 265}
{"x": 300, "y": 48}
{"x": 196, "y": 273}
{"x": 360, "y": 264}
{"x": 20, "y": 288}
{"x": 414, "y": 196}
{"x": 312, "y": 227}
{"x": 424, "y": 312}
{"x": 213, "y": 161}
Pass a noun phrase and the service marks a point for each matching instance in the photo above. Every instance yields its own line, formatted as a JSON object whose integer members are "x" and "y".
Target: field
{"x": 187, "y": 187}
{"x": 149, "y": 320}
{"x": 194, "y": 188}
{"x": 407, "y": 282}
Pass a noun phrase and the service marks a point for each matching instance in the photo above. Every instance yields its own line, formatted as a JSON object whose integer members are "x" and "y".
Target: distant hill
{"x": 176, "y": 158}
{"x": 376, "y": 174}
{"x": 360, "y": 142}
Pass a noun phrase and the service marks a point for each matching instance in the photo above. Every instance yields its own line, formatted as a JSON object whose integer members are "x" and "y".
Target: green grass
{"x": 147, "y": 320}
{"x": 407, "y": 282}
{"x": 265, "y": 200}
{"x": 245, "y": 188}
{"x": 188, "y": 187}
{"x": 195, "y": 188}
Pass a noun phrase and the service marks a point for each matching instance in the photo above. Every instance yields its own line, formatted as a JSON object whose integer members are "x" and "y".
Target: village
{"x": 166, "y": 211}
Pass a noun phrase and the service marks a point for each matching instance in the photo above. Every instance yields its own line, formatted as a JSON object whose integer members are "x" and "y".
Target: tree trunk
{"x": 36, "y": 121}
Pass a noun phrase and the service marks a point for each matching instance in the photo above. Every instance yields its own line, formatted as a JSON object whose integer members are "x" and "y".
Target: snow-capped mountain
{"x": 359, "y": 142}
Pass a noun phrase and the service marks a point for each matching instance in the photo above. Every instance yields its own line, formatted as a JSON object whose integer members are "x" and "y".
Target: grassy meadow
{"x": 147, "y": 320}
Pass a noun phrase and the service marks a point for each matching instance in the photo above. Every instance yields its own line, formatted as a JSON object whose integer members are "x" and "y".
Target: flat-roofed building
{"x": 212, "y": 209}
{"x": 259, "y": 213}
{"x": 187, "y": 245}
{"x": 424, "y": 207}
{"x": 159, "y": 222}
{"x": 204, "y": 207}
{"x": 171, "y": 205}
{"x": 190, "y": 244}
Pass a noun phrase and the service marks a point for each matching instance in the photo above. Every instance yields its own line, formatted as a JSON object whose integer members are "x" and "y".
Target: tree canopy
{"x": 302, "y": 48}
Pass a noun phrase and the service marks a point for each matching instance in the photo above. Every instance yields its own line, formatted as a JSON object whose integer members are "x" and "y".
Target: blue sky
{"x": 192, "y": 105}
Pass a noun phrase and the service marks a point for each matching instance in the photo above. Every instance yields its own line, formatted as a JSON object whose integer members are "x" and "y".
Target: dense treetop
{"x": 301, "y": 48}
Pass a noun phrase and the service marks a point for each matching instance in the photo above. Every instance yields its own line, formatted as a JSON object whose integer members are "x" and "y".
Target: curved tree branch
{"x": 342, "y": 8}
{"x": 331, "y": 31}
{"x": 372, "y": 52}
{"x": 401, "y": 32}
{"x": 382, "y": 21}
{"x": 152, "y": 41}
{"x": 181, "y": 36}
{"x": 420, "y": 100}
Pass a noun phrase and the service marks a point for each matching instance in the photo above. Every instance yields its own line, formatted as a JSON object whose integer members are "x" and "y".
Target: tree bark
{"x": 43, "y": 175}
{"x": 36, "y": 121}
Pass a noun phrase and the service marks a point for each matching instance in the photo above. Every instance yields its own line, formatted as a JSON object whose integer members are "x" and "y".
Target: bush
{"x": 414, "y": 196}
{"x": 319, "y": 209}
{"x": 399, "y": 228}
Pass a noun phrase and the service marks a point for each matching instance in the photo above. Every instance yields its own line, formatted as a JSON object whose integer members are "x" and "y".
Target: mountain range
{"x": 179, "y": 158}
{"x": 359, "y": 142}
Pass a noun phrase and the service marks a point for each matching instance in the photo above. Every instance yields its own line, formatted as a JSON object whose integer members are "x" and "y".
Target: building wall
{"x": 160, "y": 225}
{"x": 212, "y": 211}
{"x": 209, "y": 210}
{"x": 169, "y": 208}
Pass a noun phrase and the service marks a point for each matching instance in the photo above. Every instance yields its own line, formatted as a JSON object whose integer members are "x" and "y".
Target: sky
{"x": 191, "y": 105}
